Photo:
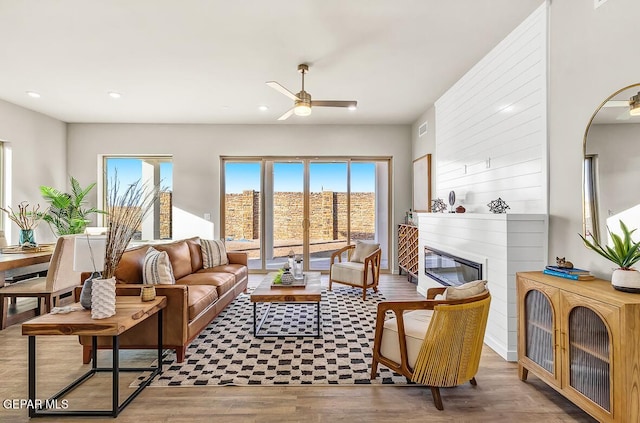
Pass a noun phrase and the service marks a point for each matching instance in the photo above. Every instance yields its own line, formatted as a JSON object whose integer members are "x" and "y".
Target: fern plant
{"x": 67, "y": 215}
{"x": 624, "y": 252}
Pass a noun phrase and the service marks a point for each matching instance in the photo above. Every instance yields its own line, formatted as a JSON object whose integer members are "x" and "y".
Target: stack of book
{"x": 572, "y": 273}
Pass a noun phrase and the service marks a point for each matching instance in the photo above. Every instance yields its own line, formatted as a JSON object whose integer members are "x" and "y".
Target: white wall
{"x": 196, "y": 151}
{"x": 426, "y": 144}
{"x": 592, "y": 54}
{"x": 36, "y": 147}
{"x": 491, "y": 126}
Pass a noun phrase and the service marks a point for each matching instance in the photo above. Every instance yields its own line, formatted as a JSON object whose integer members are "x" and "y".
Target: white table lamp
{"x": 88, "y": 254}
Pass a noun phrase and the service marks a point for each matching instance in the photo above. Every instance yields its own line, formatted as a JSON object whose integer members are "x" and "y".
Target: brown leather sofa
{"x": 198, "y": 296}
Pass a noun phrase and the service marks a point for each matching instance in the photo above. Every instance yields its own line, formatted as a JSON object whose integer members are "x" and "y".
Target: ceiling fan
{"x": 303, "y": 102}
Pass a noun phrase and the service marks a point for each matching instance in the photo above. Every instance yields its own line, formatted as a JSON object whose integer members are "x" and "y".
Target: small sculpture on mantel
{"x": 438, "y": 206}
{"x": 498, "y": 206}
{"x": 563, "y": 263}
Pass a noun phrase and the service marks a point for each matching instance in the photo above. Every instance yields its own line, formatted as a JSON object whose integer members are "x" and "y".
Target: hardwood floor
{"x": 499, "y": 397}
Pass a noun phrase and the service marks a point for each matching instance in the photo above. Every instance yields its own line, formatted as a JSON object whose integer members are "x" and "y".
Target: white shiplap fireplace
{"x": 504, "y": 244}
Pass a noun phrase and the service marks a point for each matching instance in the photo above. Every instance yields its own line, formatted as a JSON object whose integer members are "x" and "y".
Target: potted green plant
{"x": 67, "y": 214}
{"x": 624, "y": 253}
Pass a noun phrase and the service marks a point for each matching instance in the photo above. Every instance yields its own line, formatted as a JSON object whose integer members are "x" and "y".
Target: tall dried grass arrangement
{"x": 126, "y": 211}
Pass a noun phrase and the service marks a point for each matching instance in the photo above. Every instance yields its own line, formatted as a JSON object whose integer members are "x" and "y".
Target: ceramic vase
{"x": 626, "y": 280}
{"x": 103, "y": 298}
{"x": 85, "y": 294}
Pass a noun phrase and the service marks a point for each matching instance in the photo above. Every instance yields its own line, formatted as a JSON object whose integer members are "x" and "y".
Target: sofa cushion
{"x": 199, "y": 298}
{"x": 362, "y": 250}
{"x": 130, "y": 267}
{"x": 224, "y": 282}
{"x": 214, "y": 253}
{"x": 179, "y": 255}
{"x": 239, "y": 271}
{"x": 157, "y": 268}
{"x": 196, "y": 253}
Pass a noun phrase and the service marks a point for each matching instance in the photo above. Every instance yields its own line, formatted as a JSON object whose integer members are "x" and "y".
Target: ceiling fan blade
{"x": 333, "y": 103}
{"x": 283, "y": 90}
{"x": 286, "y": 115}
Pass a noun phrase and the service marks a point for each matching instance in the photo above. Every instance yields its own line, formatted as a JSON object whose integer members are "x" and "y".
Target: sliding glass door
{"x": 284, "y": 211}
{"x": 312, "y": 208}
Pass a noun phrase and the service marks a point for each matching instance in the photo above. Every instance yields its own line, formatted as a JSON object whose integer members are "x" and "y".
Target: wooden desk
{"x": 129, "y": 312}
{"x": 10, "y": 261}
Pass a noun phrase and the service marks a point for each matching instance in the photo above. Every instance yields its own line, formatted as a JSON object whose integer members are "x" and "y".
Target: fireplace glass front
{"x": 450, "y": 270}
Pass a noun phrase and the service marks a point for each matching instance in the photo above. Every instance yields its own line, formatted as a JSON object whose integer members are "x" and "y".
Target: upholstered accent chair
{"x": 60, "y": 281}
{"x": 432, "y": 342}
{"x": 361, "y": 269}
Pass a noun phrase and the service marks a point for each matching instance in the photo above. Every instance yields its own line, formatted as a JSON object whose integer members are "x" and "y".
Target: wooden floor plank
{"x": 499, "y": 397}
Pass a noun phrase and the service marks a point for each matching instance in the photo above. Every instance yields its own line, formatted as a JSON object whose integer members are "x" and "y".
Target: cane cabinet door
{"x": 538, "y": 348}
{"x": 588, "y": 327}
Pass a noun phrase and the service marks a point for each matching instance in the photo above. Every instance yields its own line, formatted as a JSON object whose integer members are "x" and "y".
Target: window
{"x": 308, "y": 206}
{"x": 150, "y": 170}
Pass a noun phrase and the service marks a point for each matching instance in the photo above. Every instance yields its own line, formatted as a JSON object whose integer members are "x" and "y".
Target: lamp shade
{"x": 88, "y": 253}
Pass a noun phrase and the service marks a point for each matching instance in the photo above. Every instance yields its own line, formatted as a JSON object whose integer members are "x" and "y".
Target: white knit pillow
{"x": 213, "y": 253}
{"x": 362, "y": 250}
{"x": 157, "y": 268}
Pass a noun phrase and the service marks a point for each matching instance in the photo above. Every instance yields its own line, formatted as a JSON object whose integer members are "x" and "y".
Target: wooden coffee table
{"x": 311, "y": 293}
{"x": 130, "y": 311}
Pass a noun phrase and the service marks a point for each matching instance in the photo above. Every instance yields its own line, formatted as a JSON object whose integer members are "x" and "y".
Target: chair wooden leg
{"x": 374, "y": 368}
{"x": 330, "y": 282}
{"x": 4, "y": 305}
{"x": 364, "y": 294}
{"x": 437, "y": 400}
{"x": 473, "y": 381}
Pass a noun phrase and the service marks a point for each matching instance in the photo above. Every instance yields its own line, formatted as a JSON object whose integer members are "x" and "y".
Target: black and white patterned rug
{"x": 227, "y": 353}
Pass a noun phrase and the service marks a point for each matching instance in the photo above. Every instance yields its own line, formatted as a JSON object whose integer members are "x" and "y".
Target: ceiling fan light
{"x": 634, "y": 105}
{"x": 302, "y": 110}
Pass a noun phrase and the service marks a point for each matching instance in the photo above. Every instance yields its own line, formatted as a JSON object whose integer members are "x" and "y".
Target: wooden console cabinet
{"x": 408, "y": 250}
{"x": 583, "y": 339}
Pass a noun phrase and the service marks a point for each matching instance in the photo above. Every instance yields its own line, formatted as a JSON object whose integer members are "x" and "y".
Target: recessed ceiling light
{"x": 33, "y": 94}
{"x": 263, "y": 108}
{"x": 352, "y": 107}
{"x": 225, "y": 107}
{"x": 114, "y": 94}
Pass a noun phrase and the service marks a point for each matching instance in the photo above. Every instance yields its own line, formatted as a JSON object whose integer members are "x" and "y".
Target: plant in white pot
{"x": 624, "y": 253}
{"x": 126, "y": 210}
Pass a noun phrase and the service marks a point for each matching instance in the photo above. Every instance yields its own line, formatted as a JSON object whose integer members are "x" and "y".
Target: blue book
{"x": 571, "y": 271}
{"x": 568, "y": 276}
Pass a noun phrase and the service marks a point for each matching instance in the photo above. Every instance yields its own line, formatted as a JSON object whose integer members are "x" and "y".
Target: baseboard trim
{"x": 508, "y": 355}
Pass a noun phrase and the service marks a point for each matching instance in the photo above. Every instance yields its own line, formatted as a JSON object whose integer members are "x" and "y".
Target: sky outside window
{"x": 288, "y": 177}
{"x": 130, "y": 170}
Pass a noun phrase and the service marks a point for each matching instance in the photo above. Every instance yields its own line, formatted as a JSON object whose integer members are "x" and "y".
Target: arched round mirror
{"x": 611, "y": 170}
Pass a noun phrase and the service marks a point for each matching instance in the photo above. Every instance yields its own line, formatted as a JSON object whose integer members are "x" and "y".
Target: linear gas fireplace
{"x": 448, "y": 269}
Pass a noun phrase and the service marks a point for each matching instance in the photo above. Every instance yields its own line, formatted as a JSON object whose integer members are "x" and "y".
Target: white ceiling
{"x": 206, "y": 61}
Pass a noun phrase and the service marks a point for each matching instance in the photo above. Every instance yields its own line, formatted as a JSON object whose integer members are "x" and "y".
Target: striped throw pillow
{"x": 213, "y": 253}
{"x": 157, "y": 268}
